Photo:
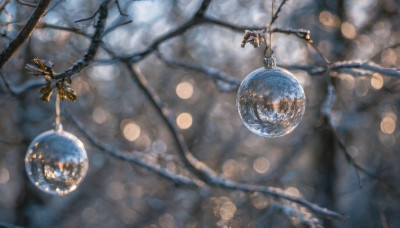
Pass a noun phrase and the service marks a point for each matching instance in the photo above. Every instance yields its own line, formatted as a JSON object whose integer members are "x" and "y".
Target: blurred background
{"x": 306, "y": 163}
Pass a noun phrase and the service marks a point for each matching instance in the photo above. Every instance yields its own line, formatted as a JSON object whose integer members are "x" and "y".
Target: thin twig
{"x": 88, "y": 18}
{"x": 24, "y": 33}
{"x": 31, "y": 84}
{"x": 234, "y": 27}
{"x": 49, "y": 26}
{"x": 275, "y": 16}
{"x": 210, "y": 72}
{"x": 18, "y": 90}
{"x": 115, "y": 26}
{"x": 351, "y": 160}
{"x": 9, "y": 88}
{"x": 3, "y": 7}
{"x": 195, "y": 20}
{"x": 62, "y": 28}
{"x": 26, "y": 3}
{"x": 120, "y": 10}
{"x": 54, "y": 6}
{"x": 152, "y": 47}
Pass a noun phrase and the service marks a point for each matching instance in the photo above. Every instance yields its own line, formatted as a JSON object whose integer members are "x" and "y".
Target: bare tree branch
{"x": 24, "y": 33}
{"x": 94, "y": 45}
{"x": 367, "y": 66}
{"x": 348, "y": 65}
{"x": 200, "y": 169}
{"x": 202, "y": 9}
{"x": 134, "y": 158}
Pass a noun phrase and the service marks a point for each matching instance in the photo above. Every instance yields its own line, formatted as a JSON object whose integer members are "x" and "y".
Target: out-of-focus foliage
{"x": 306, "y": 163}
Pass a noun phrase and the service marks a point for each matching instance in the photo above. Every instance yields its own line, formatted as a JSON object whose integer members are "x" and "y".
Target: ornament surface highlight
{"x": 56, "y": 162}
{"x": 271, "y": 102}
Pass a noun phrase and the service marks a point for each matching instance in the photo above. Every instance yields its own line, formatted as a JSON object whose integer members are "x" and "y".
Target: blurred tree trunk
{"x": 324, "y": 164}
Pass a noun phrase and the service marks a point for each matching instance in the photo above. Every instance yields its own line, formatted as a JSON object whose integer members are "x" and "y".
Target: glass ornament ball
{"x": 271, "y": 102}
{"x": 56, "y": 162}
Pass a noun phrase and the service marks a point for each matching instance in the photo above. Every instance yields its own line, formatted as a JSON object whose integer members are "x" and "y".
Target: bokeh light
{"x": 184, "y": 90}
{"x": 348, "y": 30}
{"x": 89, "y": 215}
{"x": 131, "y": 131}
{"x": 293, "y": 192}
{"x": 166, "y": 221}
{"x": 377, "y": 81}
{"x": 4, "y": 175}
{"x": 347, "y": 81}
{"x": 116, "y": 190}
{"x": 261, "y": 165}
{"x": 388, "y": 124}
{"x": 100, "y": 115}
{"x": 230, "y": 168}
{"x": 184, "y": 120}
{"x": 227, "y": 210}
{"x": 329, "y": 20}
{"x": 389, "y": 57}
{"x": 259, "y": 201}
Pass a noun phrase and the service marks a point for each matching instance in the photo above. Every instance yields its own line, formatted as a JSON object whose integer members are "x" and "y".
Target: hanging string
{"x": 270, "y": 25}
{"x": 269, "y": 60}
{"x": 57, "y": 119}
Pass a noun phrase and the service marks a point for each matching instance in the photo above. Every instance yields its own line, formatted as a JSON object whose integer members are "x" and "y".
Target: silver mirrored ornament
{"x": 56, "y": 162}
{"x": 270, "y": 101}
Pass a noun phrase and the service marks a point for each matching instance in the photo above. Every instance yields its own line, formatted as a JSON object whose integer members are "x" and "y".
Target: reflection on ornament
{"x": 270, "y": 101}
{"x": 56, "y": 162}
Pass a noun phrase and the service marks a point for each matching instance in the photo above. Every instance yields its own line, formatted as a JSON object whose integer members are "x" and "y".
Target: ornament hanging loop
{"x": 57, "y": 120}
{"x": 269, "y": 58}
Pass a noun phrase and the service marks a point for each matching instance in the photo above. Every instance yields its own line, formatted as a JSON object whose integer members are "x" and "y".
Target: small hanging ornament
{"x": 56, "y": 160}
{"x": 270, "y": 101}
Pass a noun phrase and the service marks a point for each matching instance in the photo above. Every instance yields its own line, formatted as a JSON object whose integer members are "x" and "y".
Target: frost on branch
{"x": 63, "y": 85}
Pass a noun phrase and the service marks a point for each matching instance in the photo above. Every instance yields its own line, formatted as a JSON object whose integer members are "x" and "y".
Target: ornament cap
{"x": 269, "y": 58}
{"x": 58, "y": 126}
{"x": 269, "y": 62}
